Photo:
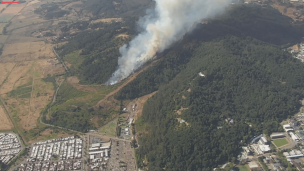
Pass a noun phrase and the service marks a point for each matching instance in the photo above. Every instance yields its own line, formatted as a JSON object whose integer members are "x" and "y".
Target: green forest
{"x": 249, "y": 78}
{"x": 250, "y": 81}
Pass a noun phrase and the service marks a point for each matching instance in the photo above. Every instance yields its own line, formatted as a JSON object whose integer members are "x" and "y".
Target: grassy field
{"x": 109, "y": 129}
{"x": 243, "y": 168}
{"x": 5, "y": 18}
{"x": 280, "y": 142}
{"x": 72, "y": 102}
{"x": 74, "y": 59}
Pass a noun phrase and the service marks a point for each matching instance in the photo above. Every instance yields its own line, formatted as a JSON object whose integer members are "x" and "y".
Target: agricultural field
{"x": 280, "y": 142}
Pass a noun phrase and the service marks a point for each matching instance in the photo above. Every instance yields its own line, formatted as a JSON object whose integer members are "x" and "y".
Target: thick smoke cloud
{"x": 169, "y": 22}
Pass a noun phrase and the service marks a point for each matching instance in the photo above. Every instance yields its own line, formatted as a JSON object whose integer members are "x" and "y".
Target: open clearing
{"x": 109, "y": 129}
{"x": 243, "y": 168}
{"x": 280, "y": 142}
{"x": 140, "y": 102}
{"x": 5, "y": 122}
{"x": 74, "y": 81}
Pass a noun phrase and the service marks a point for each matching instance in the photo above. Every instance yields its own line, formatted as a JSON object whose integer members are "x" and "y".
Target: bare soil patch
{"x": 74, "y": 81}
{"x": 291, "y": 12}
{"x": 46, "y": 132}
{"x": 108, "y": 20}
{"x": 124, "y": 36}
{"x": 140, "y": 102}
{"x": 294, "y": 47}
{"x": 179, "y": 112}
{"x": 6, "y": 124}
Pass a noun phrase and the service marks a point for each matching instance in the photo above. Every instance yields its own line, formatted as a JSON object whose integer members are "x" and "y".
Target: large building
{"x": 293, "y": 136}
{"x": 288, "y": 128}
{"x": 277, "y": 135}
{"x": 293, "y": 154}
{"x": 263, "y": 141}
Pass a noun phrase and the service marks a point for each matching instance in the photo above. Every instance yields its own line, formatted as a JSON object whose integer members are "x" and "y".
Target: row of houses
{"x": 9, "y": 147}
{"x": 52, "y": 166}
{"x": 67, "y": 148}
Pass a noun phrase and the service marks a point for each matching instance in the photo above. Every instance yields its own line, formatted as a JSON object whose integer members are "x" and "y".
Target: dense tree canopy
{"x": 247, "y": 80}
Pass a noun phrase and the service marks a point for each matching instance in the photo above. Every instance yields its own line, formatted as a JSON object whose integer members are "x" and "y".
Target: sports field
{"x": 243, "y": 168}
{"x": 280, "y": 142}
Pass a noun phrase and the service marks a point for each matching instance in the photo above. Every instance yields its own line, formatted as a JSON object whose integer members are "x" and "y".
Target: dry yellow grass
{"x": 5, "y": 123}
{"x": 49, "y": 67}
{"x": 19, "y": 72}
{"x": 108, "y": 20}
{"x": 13, "y": 9}
{"x": 16, "y": 48}
{"x": 26, "y": 51}
{"x": 124, "y": 36}
{"x": 2, "y": 25}
{"x": 2, "y": 37}
{"x": 3, "y": 6}
{"x": 5, "y": 69}
{"x": 28, "y": 109}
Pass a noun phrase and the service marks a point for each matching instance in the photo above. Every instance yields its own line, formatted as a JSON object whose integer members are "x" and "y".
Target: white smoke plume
{"x": 169, "y": 22}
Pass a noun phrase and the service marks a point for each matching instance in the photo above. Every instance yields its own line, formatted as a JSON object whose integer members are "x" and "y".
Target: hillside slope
{"x": 247, "y": 80}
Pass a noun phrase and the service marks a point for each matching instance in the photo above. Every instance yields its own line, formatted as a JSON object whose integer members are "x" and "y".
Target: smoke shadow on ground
{"x": 265, "y": 24}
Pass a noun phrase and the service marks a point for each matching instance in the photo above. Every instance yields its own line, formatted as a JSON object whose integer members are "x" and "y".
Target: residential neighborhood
{"x": 9, "y": 147}
{"x": 56, "y": 154}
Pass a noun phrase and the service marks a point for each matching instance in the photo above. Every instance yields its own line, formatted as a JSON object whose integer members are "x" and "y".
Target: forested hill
{"x": 247, "y": 80}
{"x": 99, "y": 47}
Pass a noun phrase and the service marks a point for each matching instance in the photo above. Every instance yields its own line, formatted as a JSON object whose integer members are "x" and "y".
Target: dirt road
{"x": 129, "y": 79}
